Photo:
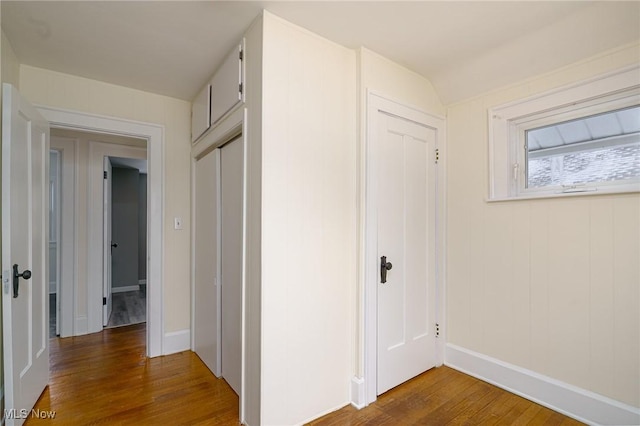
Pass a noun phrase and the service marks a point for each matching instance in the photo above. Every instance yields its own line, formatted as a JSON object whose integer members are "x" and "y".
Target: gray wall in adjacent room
{"x": 124, "y": 226}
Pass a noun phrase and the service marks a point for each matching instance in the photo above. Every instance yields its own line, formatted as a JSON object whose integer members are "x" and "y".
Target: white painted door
{"x": 231, "y": 261}
{"x": 206, "y": 321}
{"x": 25, "y": 246}
{"x": 109, "y": 245}
{"x": 406, "y": 238}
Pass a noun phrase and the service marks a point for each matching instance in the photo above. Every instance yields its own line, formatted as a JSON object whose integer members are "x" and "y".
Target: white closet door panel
{"x": 225, "y": 85}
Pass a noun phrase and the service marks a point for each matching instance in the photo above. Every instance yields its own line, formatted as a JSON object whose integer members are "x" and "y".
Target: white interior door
{"x": 206, "y": 321}
{"x": 25, "y": 246}
{"x": 231, "y": 261}
{"x": 108, "y": 244}
{"x": 406, "y": 240}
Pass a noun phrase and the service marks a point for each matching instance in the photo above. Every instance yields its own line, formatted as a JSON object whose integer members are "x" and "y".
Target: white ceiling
{"x": 172, "y": 47}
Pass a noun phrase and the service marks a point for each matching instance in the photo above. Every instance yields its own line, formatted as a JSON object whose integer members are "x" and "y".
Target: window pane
{"x": 597, "y": 148}
{"x": 615, "y": 163}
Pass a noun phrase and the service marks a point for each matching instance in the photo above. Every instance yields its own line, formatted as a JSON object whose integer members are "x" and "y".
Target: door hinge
{"x": 437, "y": 155}
{"x": 241, "y": 56}
{"x": 437, "y": 330}
{"x": 240, "y": 88}
{"x": 104, "y": 300}
{"x": 104, "y": 174}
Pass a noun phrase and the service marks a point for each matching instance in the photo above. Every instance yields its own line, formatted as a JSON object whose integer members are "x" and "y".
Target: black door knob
{"x": 26, "y": 274}
{"x": 384, "y": 267}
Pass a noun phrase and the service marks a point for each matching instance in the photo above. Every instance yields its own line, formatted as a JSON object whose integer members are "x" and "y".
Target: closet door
{"x": 231, "y": 261}
{"x": 206, "y": 323}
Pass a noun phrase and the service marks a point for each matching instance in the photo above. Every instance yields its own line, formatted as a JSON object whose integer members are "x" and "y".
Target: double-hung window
{"x": 579, "y": 139}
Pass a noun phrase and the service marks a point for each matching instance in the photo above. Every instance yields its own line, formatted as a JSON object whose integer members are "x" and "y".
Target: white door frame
{"x": 67, "y": 239}
{"x": 366, "y": 393}
{"x": 154, "y": 134}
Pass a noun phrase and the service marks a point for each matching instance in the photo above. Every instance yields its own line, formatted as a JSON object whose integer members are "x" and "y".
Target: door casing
{"x": 154, "y": 134}
{"x": 365, "y": 389}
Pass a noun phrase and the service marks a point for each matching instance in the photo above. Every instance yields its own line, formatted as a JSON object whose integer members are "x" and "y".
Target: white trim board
{"x": 572, "y": 401}
{"x": 177, "y": 341}
{"x": 154, "y": 134}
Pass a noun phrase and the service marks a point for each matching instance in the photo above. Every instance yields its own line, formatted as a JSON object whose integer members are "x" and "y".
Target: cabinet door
{"x": 226, "y": 85}
{"x": 201, "y": 113}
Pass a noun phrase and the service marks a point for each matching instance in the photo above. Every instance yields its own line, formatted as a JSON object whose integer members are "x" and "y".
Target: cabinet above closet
{"x": 220, "y": 95}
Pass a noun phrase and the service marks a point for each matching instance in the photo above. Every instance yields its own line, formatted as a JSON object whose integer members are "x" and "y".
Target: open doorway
{"x": 125, "y": 226}
{"x": 77, "y": 241}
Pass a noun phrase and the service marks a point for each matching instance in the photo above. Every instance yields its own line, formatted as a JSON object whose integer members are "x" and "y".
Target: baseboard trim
{"x": 322, "y": 414}
{"x": 176, "y": 341}
{"x": 580, "y": 404}
{"x": 358, "y": 399}
{"x": 125, "y": 288}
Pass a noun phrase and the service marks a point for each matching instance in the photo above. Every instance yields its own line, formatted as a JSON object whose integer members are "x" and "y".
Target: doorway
{"x": 125, "y": 240}
{"x": 90, "y": 299}
{"x": 402, "y": 245}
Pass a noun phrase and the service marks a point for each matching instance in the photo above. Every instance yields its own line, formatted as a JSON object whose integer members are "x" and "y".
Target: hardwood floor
{"x": 105, "y": 378}
{"x": 129, "y": 307}
{"x": 443, "y": 396}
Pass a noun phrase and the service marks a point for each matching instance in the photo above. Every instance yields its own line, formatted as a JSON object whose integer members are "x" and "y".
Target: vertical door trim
{"x": 368, "y": 256}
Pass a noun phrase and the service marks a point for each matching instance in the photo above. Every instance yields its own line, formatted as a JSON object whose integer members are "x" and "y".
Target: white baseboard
{"x": 358, "y": 393}
{"x": 582, "y": 405}
{"x": 176, "y": 341}
{"x": 125, "y": 288}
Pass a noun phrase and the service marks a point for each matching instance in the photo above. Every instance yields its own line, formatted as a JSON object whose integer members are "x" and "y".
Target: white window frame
{"x": 508, "y": 125}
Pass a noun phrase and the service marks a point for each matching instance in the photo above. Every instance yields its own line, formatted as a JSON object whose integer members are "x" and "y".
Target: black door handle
{"x": 26, "y": 274}
{"x": 113, "y": 245}
{"x": 384, "y": 267}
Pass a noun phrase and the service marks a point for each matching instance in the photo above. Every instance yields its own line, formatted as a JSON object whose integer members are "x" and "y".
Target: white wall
{"x": 551, "y": 285}
{"x": 49, "y": 88}
{"x": 308, "y": 223}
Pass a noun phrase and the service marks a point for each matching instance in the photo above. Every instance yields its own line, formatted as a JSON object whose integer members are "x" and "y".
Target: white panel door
{"x": 406, "y": 238}
{"x": 25, "y": 247}
{"x": 206, "y": 322}
{"x": 231, "y": 261}
{"x": 108, "y": 243}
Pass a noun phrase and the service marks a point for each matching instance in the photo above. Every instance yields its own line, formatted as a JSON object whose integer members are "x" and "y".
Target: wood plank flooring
{"x": 106, "y": 379}
{"x": 444, "y": 396}
{"x": 128, "y": 307}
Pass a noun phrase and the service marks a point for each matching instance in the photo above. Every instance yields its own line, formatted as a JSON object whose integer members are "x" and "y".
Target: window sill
{"x": 603, "y": 191}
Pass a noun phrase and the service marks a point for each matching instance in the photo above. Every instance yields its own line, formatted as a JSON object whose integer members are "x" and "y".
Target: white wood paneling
{"x": 308, "y": 222}
{"x": 553, "y": 285}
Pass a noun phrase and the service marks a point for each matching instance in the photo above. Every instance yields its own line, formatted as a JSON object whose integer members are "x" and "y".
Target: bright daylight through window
{"x": 582, "y": 138}
{"x": 598, "y": 148}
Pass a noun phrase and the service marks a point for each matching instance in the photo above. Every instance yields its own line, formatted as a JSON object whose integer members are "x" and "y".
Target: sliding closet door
{"x": 231, "y": 163}
{"x": 206, "y": 322}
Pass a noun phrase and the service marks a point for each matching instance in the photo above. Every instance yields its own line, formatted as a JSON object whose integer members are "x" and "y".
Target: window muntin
{"x": 603, "y": 147}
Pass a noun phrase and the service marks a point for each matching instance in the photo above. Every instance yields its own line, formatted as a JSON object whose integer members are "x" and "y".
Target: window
{"x": 579, "y": 139}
